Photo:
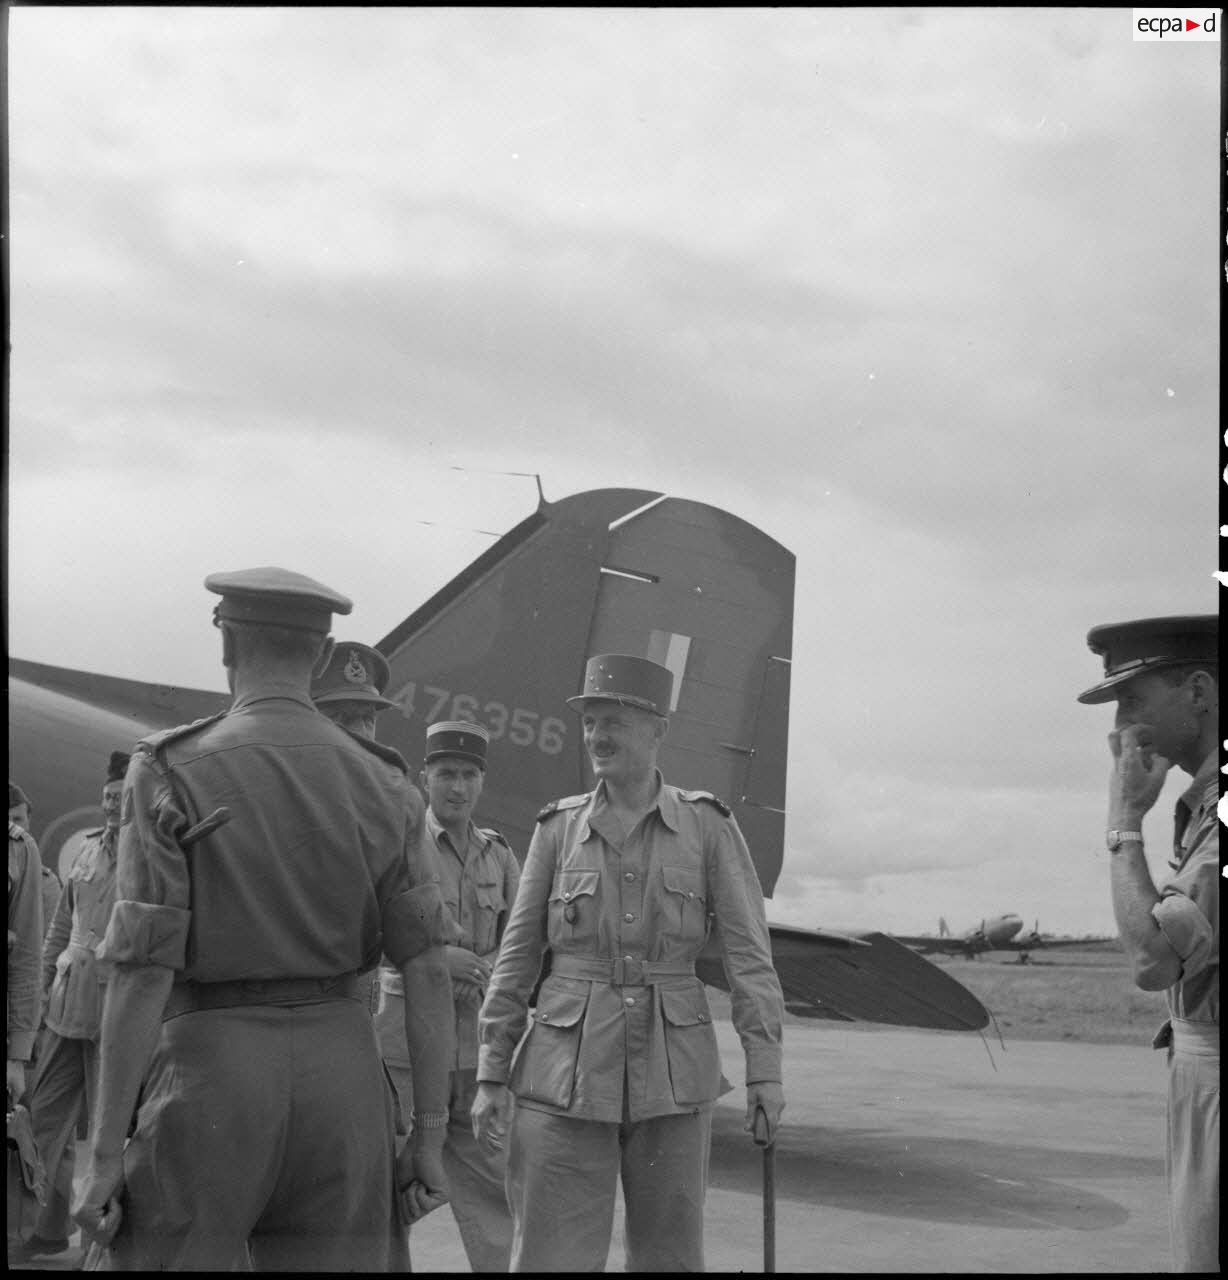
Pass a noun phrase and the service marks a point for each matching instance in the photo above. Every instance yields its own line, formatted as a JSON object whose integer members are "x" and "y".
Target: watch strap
{"x": 1115, "y": 838}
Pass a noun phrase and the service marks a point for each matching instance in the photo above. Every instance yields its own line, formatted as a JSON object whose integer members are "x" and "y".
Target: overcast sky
{"x": 928, "y": 295}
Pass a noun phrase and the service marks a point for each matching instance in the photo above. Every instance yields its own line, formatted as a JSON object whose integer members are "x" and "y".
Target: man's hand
{"x": 770, "y": 1095}
{"x": 97, "y": 1210}
{"x": 466, "y": 966}
{"x": 421, "y": 1181}
{"x": 1137, "y": 778}
{"x": 490, "y": 1114}
{"x": 15, "y": 1079}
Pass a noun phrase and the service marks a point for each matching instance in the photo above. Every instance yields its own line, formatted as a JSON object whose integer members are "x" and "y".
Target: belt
{"x": 87, "y": 941}
{"x": 189, "y": 997}
{"x": 1200, "y": 1038}
{"x": 622, "y": 971}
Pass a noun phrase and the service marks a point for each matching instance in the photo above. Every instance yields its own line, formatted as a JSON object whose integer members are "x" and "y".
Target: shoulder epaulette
{"x": 491, "y": 833}
{"x": 156, "y": 741}
{"x": 567, "y": 802}
{"x": 692, "y": 797}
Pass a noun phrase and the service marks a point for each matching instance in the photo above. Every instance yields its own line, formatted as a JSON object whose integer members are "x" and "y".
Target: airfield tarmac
{"x": 906, "y": 1151}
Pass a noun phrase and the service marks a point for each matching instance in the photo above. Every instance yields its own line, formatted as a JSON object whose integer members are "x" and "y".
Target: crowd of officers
{"x": 301, "y": 1009}
{"x": 317, "y": 996}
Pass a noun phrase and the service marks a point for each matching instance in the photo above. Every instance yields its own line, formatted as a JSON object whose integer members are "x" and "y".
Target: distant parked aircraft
{"x": 994, "y": 933}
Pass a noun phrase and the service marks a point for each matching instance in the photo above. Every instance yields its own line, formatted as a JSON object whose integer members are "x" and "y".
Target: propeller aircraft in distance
{"x": 504, "y": 644}
{"x": 994, "y": 933}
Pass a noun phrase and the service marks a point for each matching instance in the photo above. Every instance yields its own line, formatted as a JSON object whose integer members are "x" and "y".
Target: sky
{"x": 928, "y": 295}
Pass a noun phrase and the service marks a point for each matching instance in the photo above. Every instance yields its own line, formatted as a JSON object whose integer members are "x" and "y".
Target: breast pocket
{"x": 544, "y": 1068}
{"x": 573, "y": 906}
{"x": 686, "y": 903}
{"x": 488, "y": 904}
{"x": 690, "y": 1045}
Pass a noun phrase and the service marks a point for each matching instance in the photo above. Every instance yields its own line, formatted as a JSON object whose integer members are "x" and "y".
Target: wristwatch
{"x": 1115, "y": 839}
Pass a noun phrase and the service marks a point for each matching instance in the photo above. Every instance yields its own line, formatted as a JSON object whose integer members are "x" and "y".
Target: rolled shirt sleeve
{"x": 1188, "y": 910}
{"x": 149, "y": 923}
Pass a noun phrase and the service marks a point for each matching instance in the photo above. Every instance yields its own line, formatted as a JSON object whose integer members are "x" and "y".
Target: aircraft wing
{"x": 869, "y": 977}
{"x": 933, "y": 946}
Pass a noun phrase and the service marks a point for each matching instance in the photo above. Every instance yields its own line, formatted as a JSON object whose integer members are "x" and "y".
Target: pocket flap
{"x": 684, "y": 1006}
{"x": 687, "y": 881}
{"x": 489, "y": 896}
{"x": 559, "y": 1007}
{"x": 573, "y": 884}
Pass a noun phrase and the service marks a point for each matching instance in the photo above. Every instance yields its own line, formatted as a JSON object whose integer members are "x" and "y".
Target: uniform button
{"x": 629, "y": 1000}
{"x": 545, "y": 1017}
{"x": 629, "y": 917}
{"x": 628, "y": 959}
{"x": 703, "y": 1017}
{"x": 567, "y": 897}
{"x": 628, "y": 876}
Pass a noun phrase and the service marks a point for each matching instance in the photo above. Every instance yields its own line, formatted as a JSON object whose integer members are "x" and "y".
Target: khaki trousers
{"x": 562, "y": 1174}
{"x": 265, "y": 1138}
{"x": 1193, "y": 1159}
{"x": 64, "y": 1085}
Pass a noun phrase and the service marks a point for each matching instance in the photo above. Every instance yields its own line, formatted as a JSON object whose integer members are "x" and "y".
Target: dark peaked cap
{"x": 355, "y": 673}
{"x": 276, "y": 597}
{"x": 1130, "y": 648}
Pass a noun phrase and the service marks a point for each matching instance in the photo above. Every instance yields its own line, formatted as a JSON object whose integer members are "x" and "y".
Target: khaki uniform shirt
{"x": 320, "y": 863}
{"x": 479, "y": 886}
{"x": 25, "y": 943}
{"x": 72, "y": 981}
{"x": 1188, "y": 910}
{"x": 637, "y": 1038}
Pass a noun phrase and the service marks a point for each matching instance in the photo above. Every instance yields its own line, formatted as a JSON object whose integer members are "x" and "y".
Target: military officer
{"x": 350, "y": 689}
{"x": 619, "y": 1068}
{"x": 265, "y": 855}
{"x": 1164, "y": 677}
{"x": 21, "y": 811}
{"x": 66, "y": 1077}
{"x": 25, "y": 940}
{"x": 479, "y": 874}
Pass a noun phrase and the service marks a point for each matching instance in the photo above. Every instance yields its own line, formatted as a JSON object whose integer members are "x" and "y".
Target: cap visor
{"x": 374, "y": 699}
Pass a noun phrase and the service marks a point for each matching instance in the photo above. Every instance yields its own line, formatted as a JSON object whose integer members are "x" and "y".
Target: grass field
{"x": 1083, "y": 995}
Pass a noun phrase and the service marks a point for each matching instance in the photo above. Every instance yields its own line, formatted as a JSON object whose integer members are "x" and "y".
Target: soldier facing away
{"x": 265, "y": 1130}
{"x": 619, "y": 1069}
{"x": 1164, "y": 677}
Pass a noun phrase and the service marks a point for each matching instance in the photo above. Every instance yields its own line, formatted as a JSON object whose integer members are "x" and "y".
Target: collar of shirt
{"x": 665, "y": 802}
{"x": 1203, "y": 790}
{"x": 443, "y": 837}
{"x": 272, "y": 696}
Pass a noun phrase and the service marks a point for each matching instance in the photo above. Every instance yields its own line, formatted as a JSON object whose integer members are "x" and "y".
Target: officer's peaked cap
{"x": 620, "y": 677}
{"x": 117, "y": 766}
{"x": 276, "y": 597}
{"x": 457, "y": 738}
{"x": 355, "y": 673}
{"x": 16, "y": 794}
{"x": 1130, "y": 648}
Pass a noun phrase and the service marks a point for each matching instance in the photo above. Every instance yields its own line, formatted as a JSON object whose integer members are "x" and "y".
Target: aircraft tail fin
{"x": 611, "y": 571}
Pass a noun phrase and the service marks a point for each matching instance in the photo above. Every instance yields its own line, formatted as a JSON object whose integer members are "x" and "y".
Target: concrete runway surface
{"x": 905, "y": 1151}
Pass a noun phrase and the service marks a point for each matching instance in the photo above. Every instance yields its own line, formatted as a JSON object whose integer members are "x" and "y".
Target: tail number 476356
{"x": 520, "y": 726}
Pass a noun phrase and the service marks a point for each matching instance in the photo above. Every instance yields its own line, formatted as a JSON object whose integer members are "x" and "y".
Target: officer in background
{"x": 1164, "y": 677}
{"x": 478, "y": 874}
{"x": 66, "y": 1076}
{"x": 619, "y": 1070}
{"x": 264, "y": 857}
{"x": 25, "y": 943}
{"x": 350, "y": 692}
{"x": 21, "y": 811}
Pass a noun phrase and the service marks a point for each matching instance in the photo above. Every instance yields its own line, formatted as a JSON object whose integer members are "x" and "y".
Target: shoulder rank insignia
{"x": 692, "y": 797}
{"x": 492, "y": 833}
{"x": 567, "y": 802}
{"x": 156, "y": 741}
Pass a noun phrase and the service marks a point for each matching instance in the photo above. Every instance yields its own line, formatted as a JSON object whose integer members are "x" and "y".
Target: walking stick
{"x": 769, "y": 1189}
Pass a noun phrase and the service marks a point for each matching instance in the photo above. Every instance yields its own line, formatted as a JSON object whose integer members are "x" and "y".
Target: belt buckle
{"x": 632, "y": 971}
